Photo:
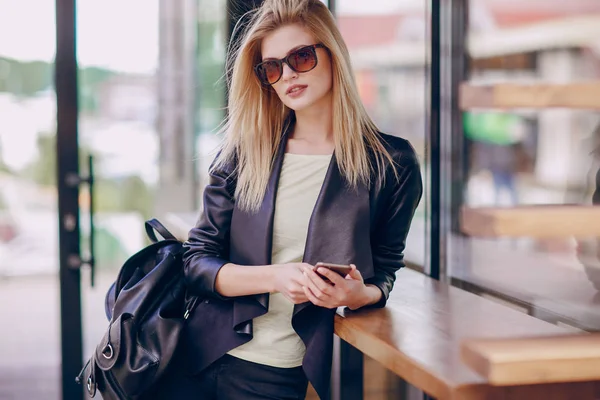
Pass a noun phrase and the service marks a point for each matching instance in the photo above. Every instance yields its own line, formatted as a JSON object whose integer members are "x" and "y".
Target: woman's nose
{"x": 288, "y": 73}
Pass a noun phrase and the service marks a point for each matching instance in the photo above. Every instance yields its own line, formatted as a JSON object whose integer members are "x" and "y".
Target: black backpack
{"x": 146, "y": 307}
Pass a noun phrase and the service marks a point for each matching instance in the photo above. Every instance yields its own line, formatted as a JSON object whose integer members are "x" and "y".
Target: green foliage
{"x": 93, "y": 75}
{"x": 3, "y": 167}
{"x": 89, "y": 79}
{"x": 25, "y": 79}
{"x": 210, "y": 91}
{"x": 128, "y": 194}
{"x": 137, "y": 196}
{"x": 43, "y": 170}
{"x": 109, "y": 250}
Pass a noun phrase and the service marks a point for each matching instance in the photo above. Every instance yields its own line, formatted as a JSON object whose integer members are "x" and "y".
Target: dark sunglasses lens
{"x": 269, "y": 72}
{"x": 303, "y": 60}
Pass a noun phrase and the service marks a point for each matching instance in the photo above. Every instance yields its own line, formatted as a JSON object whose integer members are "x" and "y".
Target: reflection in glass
{"x": 388, "y": 43}
{"x": 546, "y": 156}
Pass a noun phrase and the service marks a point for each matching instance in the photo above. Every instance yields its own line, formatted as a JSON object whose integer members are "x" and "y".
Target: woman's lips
{"x": 296, "y": 90}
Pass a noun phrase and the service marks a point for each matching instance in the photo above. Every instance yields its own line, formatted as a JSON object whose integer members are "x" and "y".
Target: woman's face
{"x": 299, "y": 90}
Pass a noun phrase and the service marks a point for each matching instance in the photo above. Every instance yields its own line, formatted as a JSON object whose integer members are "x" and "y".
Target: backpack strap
{"x": 154, "y": 225}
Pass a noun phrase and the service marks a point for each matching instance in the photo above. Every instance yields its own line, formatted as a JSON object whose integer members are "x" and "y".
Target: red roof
{"x": 369, "y": 30}
{"x": 508, "y": 13}
{"x": 372, "y": 30}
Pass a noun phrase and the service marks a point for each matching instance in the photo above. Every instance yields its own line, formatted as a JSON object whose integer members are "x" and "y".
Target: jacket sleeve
{"x": 207, "y": 247}
{"x": 389, "y": 238}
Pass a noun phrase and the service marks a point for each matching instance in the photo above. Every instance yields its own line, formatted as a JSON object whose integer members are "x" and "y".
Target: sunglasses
{"x": 303, "y": 59}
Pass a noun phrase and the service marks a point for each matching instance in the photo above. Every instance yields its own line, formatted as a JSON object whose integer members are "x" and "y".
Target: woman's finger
{"x": 312, "y": 298}
{"x": 334, "y": 277}
{"x": 355, "y": 273}
{"x": 318, "y": 281}
{"x": 318, "y": 290}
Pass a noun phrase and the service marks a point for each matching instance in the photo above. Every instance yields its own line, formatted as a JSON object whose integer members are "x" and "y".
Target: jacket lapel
{"x": 253, "y": 242}
{"x": 338, "y": 231}
{"x": 339, "y": 227}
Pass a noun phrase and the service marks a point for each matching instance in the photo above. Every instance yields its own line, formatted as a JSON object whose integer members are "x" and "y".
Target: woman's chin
{"x": 301, "y": 104}
{"x": 298, "y": 104}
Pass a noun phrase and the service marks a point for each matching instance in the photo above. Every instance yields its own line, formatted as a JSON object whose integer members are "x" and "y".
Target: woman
{"x": 303, "y": 176}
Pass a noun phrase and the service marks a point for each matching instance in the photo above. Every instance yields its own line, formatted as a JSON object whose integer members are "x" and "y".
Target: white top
{"x": 274, "y": 341}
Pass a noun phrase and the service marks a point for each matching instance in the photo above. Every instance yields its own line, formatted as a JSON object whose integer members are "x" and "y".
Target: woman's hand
{"x": 290, "y": 280}
{"x": 350, "y": 291}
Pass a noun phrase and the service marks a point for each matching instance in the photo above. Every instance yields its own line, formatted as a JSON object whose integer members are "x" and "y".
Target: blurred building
{"x": 527, "y": 42}
{"x": 177, "y": 105}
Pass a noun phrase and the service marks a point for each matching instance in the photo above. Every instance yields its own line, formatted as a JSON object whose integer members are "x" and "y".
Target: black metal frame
{"x": 435, "y": 145}
{"x": 460, "y": 70}
{"x": 347, "y": 375}
{"x": 332, "y": 6}
{"x": 68, "y": 196}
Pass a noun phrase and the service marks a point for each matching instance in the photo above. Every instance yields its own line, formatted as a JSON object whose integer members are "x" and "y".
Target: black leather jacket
{"x": 364, "y": 226}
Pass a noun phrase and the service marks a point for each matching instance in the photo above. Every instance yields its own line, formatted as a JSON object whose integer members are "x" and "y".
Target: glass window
{"x": 532, "y": 156}
{"x": 29, "y": 260}
{"x": 388, "y": 43}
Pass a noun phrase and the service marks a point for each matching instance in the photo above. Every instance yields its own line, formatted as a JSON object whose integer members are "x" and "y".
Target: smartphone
{"x": 341, "y": 270}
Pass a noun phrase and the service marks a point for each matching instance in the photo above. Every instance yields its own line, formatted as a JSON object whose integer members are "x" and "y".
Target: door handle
{"x": 75, "y": 180}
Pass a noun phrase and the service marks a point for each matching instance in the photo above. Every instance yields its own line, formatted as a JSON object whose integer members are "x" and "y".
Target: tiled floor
{"x": 30, "y": 349}
{"x": 31, "y": 383}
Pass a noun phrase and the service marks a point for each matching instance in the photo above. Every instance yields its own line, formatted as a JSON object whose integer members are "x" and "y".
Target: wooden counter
{"x": 539, "y": 221}
{"x": 418, "y": 336}
{"x": 518, "y": 361}
{"x": 580, "y": 95}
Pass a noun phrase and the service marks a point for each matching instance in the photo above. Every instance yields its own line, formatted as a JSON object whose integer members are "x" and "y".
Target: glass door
{"x": 150, "y": 97}
{"x": 117, "y": 54}
{"x": 30, "y": 366}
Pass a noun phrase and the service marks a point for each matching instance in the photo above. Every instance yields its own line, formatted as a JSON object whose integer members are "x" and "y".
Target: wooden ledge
{"x": 536, "y": 360}
{"x": 418, "y": 336}
{"x": 584, "y": 95}
{"x": 541, "y": 221}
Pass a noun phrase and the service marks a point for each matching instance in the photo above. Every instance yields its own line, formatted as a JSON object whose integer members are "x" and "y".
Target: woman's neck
{"x": 314, "y": 124}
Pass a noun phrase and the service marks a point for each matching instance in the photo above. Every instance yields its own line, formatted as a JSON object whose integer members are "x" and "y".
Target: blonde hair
{"x": 256, "y": 115}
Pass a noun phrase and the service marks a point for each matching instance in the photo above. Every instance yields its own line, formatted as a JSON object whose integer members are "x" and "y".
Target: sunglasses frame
{"x": 313, "y": 49}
